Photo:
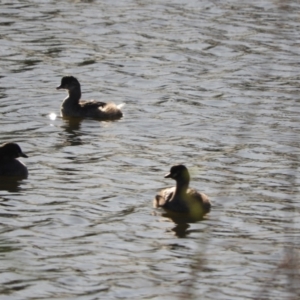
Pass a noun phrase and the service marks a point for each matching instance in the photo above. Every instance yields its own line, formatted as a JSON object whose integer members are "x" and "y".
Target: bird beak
{"x": 59, "y": 87}
{"x": 168, "y": 175}
{"x": 22, "y": 154}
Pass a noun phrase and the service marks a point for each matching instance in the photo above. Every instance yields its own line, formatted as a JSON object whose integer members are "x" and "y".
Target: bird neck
{"x": 74, "y": 95}
{"x": 181, "y": 187}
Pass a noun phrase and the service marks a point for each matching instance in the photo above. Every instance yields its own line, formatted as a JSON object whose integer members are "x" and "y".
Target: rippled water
{"x": 212, "y": 84}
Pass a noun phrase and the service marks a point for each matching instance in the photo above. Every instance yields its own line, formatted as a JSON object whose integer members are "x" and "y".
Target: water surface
{"x": 213, "y": 85}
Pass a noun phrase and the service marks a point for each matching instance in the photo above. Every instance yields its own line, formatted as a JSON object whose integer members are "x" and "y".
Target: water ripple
{"x": 213, "y": 85}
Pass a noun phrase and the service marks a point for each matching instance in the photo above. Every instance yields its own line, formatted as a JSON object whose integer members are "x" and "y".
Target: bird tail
{"x": 119, "y": 106}
{"x": 112, "y": 110}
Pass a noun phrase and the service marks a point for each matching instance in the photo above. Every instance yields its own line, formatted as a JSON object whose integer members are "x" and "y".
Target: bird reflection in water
{"x": 182, "y": 222}
{"x": 71, "y": 127}
{"x": 72, "y": 130}
{"x": 11, "y": 184}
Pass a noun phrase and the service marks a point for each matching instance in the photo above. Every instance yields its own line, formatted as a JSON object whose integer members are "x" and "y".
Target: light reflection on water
{"x": 213, "y": 85}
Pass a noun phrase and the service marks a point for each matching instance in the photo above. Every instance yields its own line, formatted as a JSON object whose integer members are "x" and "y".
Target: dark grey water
{"x": 212, "y": 84}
